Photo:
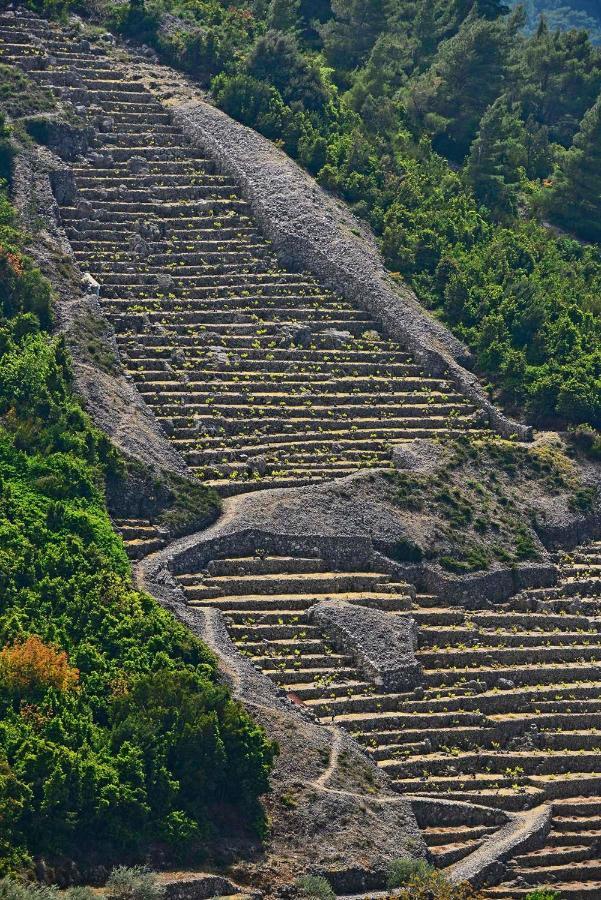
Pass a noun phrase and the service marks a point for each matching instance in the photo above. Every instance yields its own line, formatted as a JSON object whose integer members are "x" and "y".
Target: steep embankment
{"x": 262, "y": 377}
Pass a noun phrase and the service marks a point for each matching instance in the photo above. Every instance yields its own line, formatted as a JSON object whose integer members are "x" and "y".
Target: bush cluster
{"x": 415, "y": 879}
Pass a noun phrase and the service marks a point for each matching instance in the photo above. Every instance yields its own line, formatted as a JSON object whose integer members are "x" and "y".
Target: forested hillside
{"x": 458, "y": 138}
{"x": 117, "y": 740}
{"x": 565, "y": 14}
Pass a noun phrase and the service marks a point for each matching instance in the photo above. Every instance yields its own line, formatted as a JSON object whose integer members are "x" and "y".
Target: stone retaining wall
{"x": 434, "y": 811}
{"x": 487, "y": 865}
{"x": 382, "y": 646}
{"x": 111, "y": 398}
{"x": 356, "y": 553}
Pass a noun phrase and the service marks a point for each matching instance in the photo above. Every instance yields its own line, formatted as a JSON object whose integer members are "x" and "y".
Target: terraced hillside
{"x": 260, "y": 376}
{"x": 506, "y": 715}
{"x": 263, "y": 378}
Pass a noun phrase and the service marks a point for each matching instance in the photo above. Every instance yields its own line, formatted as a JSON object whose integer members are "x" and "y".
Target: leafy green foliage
{"x": 133, "y": 883}
{"x": 415, "y": 879}
{"x": 468, "y": 73}
{"x": 400, "y": 871}
{"x": 352, "y": 31}
{"x": 558, "y": 78}
{"x": 211, "y": 37}
{"x": 543, "y": 894}
{"x": 114, "y": 729}
{"x": 588, "y": 440}
{"x": 20, "y": 95}
{"x": 575, "y": 200}
{"x": 315, "y": 887}
{"x": 12, "y": 889}
{"x": 496, "y": 158}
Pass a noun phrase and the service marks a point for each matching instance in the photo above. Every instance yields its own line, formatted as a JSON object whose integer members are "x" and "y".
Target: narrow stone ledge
{"x": 110, "y": 397}
{"x": 436, "y": 811}
{"x": 486, "y": 865}
{"x": 382, "y": 645}
{"x": 201, "y": 886}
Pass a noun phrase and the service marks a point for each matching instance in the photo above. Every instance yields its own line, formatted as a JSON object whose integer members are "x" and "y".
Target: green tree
{"x": 488, "y": 9}
{"x": 557, "y": 78}
{"x": 496, "y": 156}
{"x": 539, "y": 151}
{"x": 284, "y": 15}
{"x": 350, "y": 35}
{"x": 575, "y": 199}
{"x": 468, "y": 74}
{"x": 276, "y": 59}
{"x": 386, "y": 71}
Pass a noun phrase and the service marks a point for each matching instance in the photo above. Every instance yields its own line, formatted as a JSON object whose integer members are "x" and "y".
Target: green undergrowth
{"x": 415, "y": 879}
{"x": 117, "y": 740}
{"x": 123, "y": 883}
{"x": 487, "y": 501}
{"x": 191, "y": 505}
{"x": 89, "y": 333}
{"x": 21, "y": 96}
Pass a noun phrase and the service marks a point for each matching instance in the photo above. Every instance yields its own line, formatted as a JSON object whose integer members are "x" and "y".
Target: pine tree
{"x": 425, "y": 30}
{"x": 558, "y": 79}
{"x": 493, "y": 166}
{"x": 277, "y": 59}
{"x": 575, "y": 199}
{"x": 539, "y": 152}
{"x": 284, "y": 15}
{"x": 468, "y": 74}
{"x": 350, "y": 35}
{"x": 488, "y": 9}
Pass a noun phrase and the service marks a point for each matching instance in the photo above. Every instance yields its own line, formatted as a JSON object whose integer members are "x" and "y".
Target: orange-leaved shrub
{"x": 30, "y": 666}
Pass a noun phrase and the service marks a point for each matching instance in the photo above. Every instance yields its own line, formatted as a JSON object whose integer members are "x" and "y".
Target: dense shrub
{"x": 588, "y": 440}
{"x": 315, "y": 887}
{"x": 133, "y": 883}
{"x": 415, "y": 879}
{"x": 543, "y": 894}
{"x": 401, "y": 871}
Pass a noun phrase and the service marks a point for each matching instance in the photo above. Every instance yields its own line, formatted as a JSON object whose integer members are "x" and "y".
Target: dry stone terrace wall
{"x": 502, "y": 721}
{"x": 261, "y": 376}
